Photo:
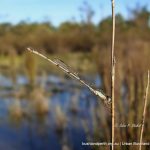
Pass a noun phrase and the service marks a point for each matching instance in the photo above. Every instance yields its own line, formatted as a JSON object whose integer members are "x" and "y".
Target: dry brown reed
{"x": 144, "y": 111}
{"x": 113, "y": 73}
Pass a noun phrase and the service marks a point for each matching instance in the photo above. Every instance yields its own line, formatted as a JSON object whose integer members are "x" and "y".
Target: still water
{"x": 55, "y": 115}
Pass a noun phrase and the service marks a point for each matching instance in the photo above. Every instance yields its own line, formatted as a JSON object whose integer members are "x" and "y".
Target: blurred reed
{"x": 30, "y": 67}
{"x": 130, "y": 83}
{"x": 144, "y": 111}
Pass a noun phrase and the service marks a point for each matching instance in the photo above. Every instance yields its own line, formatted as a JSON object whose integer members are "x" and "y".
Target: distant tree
{"x": 87, "y": 13}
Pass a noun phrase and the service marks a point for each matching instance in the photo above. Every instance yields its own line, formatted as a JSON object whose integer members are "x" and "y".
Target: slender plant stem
{"x": 113, "y": 73}
{"x": 144, "y": 111}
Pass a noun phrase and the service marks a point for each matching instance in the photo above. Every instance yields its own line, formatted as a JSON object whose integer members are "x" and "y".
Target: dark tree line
{"x": 74, "y": 36}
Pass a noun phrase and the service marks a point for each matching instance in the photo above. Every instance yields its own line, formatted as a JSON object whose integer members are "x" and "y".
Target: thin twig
{"x": 113, "y": 72}
{"x": 144, "y": 111}
{"x": 60, "y": 64}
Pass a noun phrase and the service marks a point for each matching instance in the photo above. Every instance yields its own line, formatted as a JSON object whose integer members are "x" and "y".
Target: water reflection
{"x": 54, "y": 114}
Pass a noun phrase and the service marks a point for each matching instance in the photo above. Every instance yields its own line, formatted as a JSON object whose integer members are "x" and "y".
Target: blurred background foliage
{"x": 75, "y": 36}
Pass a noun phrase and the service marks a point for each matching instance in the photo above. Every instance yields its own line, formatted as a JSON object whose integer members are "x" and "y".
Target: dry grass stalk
{"x": 113, "y": 72}
{"x": 144, "y": 111}
{"x": 60, "y": 64}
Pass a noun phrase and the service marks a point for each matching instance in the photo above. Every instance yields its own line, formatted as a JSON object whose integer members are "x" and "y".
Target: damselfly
{"x": 67, "y": 69}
